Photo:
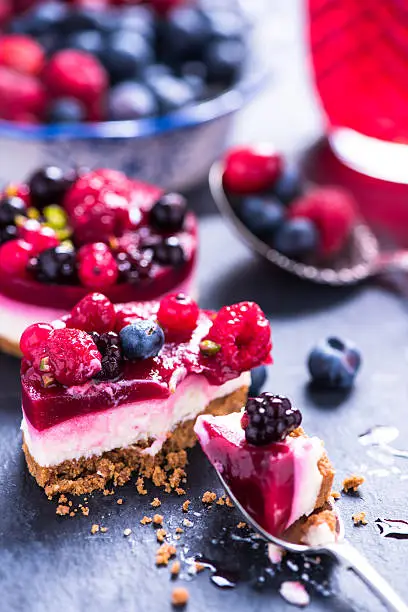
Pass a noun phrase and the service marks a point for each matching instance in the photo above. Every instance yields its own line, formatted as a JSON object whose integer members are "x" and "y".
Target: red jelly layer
{"x": 141, "y": 380}
{"x": 261, "y": 478}
{"x": 163, "y": 279}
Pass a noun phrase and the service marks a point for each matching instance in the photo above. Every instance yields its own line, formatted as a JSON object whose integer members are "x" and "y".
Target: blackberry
{"x": 134, "y": 265}
{"x": 269, "y": 418}
{"x": 169, "y": 252}
{"x": 108, "y": 345}
{"x": 169, "y": 212}
{"x": 10, "y": 232}
{"x": 56, "y": 265}
{"x": 48, "y": 185}
{"x": 10, "y": 208}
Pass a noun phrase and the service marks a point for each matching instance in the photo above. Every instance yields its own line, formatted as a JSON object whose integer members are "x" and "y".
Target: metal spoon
{"x": 362, "y": 260}
{"x": 345, "y": 554}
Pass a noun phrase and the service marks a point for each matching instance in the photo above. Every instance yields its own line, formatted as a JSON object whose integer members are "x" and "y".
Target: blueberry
{"x": 10, "y": 232}
{"x": 10, "y": 208}
{"x": 130, "y": 100}
{"x": 80, "y": 19}
{"x": 289, "y": 185}
{"x": 142, "y": 340}
{"x": 297, "y": 238}
{"x": 66, "y": 110}
{"x": 224, "y": 60}
{"x": 258, "y": 378}
{"x": 125, "y": 56}
{"x": 171, "y": 93}
{"x": 334, "y": 363}
{"x": 154, "y": 70}
{"x": 138, "y": 19}
{"x": 48, "y": 185}
{"x": 168, "y": 213}
{"x": 43, "y": 18}
{"x": 185, "y": 34}
{"x": 56, "y": 265}
{"x": 195, "y": 74}
{"x": 226, "y": 24}
{"x": 169, "y": 252}
{"x": 90, "y": 41}
{"x": 262, "y": 216}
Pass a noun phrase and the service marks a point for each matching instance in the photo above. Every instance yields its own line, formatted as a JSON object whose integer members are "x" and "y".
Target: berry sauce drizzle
{"x": 141, "y": 380}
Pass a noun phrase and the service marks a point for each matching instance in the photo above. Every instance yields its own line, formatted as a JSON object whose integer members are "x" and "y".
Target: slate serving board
{"x": 52, "y": 563}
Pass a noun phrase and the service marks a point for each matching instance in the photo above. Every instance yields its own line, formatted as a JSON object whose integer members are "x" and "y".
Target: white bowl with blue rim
{"x": 174, "y": 151}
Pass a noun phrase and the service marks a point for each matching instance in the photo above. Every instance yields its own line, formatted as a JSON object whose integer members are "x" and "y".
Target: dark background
{"x": 52, "y": 563}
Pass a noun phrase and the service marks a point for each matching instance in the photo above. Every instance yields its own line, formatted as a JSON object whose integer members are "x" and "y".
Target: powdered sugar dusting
{"x": 294, "y": 593}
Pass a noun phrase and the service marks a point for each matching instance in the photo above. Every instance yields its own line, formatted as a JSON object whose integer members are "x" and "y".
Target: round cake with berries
{"x": 64, "y": 234}
{"x": 109, "y": 390}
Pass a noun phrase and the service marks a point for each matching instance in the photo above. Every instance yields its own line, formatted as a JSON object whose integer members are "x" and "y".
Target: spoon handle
{"x": 350, "y": 558}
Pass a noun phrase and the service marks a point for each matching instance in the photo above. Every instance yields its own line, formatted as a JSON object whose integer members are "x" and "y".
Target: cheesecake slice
{"x": 112, "y": 390}
{"x": 282, "y": 477}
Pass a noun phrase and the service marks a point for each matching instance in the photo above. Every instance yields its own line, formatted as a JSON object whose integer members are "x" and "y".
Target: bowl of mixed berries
{"x": 150, "y": 86}
{"x": 64, "y": 234}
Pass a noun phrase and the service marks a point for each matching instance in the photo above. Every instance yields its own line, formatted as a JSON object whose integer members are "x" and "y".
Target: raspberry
{"x": 94, "y": 313}
{"x": 334, "y": 213}
{"x": 99, "y": 205}
{"x": 165, "y": 6}
{"x": 178, "y": 313}
{"x": 251, "y": 169}
{"x": 14, "y": 257}
{"x": 98, "y": 270}
{"x": 76, "y": 74}
{"x": 20, "y": 95}
{"x": 39, "y": 236}
{"x": 269, "y": 418}
{"x": 33, "y": 337}
{"x": 73, "y": 356}
{"x": 244, "y": 334}
{"x": 22, "y": 54}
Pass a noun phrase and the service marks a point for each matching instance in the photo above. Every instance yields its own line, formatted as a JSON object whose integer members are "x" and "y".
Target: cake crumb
{"x": 127, "y": 532}
{"x": 335, "y": 495}
{"x": 186, "y": 505}
{"x": 165, "y": 553}
{"x": 209, "y": 497}
{"x": 180, "y": 491}
{"x": 228, "y": 502}
{"x": 146, "y": 520}
{"x": 104, "y": 529}
{"x": 179, "y": 597}
{"x": 62, "y": 499}
{"x": 62, "y": 510}
{"x": 187, "y": 523}
{"x": 221, "y": 501}
{"x": 158, "y": 519}
{"x": 119, "y": 501}
{"x": 241, "y": 525}
{"x": 175, "y": 568}
{"x": 85, "y": 510}
{"x": 199, "y": 567}
{"x": 94, "y": 529}
{"x": 352, "y": 483}
{"x": 72, "y": 513}
{"x": 156, "y": 503}
{"x": 140, "y": 486}
{"x": 179, "y": 530}
{"x": 359, "y": 518}
{"x": 70, "y": 504}
{"x": 161, "y": 535}
{"x": 177, "y": 537}
{"x": 107, "y": 492}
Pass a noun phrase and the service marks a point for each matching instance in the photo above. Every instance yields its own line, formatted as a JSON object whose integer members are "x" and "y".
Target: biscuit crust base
{"x": 116, "y": 467}
{"x": 9, "y": 347}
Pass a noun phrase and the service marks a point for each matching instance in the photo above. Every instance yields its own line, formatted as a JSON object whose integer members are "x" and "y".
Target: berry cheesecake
{"x": 281, "y": 477}
{"x": 63, "y": 234}
{"x": 110, "y": 390}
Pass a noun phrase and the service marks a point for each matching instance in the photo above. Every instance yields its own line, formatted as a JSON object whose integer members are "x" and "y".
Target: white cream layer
{"x": 127, "y": 424}
{"x": 16, "y": 316}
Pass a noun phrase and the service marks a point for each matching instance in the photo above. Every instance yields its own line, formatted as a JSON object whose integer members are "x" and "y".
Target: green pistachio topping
{"x": 209, "y": 348}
